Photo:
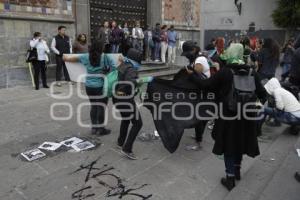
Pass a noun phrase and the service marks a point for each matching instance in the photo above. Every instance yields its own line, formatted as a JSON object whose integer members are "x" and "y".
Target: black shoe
{"x": 237, "y": 173}
{"x": 297, "y": 176}
{"x": 37, "y": 88}
{"x": 228, "y": 182}
{"x": 294, "y": 130}
{"x": 94, "y": 131}
{"x": 103, "y": 131}
{"x": 46, "y": 86}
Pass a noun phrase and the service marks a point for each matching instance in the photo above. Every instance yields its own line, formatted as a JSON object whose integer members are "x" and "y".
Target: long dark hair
{"x": 79, "y": 37}
{"x": 273, "y": 47}
{"x": 95, "y": 52}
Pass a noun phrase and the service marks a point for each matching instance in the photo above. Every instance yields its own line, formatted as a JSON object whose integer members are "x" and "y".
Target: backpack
{"x": 242, "y": 90}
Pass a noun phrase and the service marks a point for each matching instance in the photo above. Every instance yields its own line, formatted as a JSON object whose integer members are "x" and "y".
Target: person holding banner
{"x": 97, "y": 64}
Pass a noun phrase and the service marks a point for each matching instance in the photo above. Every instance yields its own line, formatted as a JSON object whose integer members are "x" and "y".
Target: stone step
{"x": 260, "y": 174}
{"x": 162, "y": 74}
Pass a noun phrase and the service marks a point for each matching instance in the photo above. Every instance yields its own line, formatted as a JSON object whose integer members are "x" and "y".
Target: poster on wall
{"x": 182, "y": 12}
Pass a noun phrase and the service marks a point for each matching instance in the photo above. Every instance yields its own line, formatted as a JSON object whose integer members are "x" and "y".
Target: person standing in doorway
{"x": 156, "y": 40}
{"x": 103, "y": 36}
{"x": 148, "y": 43}
{"x": 115, "y": 37}
{"x": 138, "y": 37}
{"x": 61, "y": 44}
{"x": 164, "y": 43}
{"x": 172, "y": 38}
{"x": 39, "y": 65}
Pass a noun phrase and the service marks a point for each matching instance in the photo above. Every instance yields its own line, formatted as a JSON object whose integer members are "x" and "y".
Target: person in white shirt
{"x": 138, "y": 37}
{"x": 287, "y": 106}
{"x": 202, "y": 66}
{"x": 39, "y": 65}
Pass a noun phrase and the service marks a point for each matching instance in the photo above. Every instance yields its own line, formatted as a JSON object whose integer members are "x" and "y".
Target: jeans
{"x": 97, "y": 112}
{"x": 285, "y": 71}
{"x": 291, "y": 118}
{"x": 164, "y": 48}
{"x": 115, "y": 48}
{"x": 231, "y": 162}
{"x": 39, "y": 67}
{"x": 171, "y": 54}
{"x": 61, "y": 66}
{"x": 157, "y": 50}
{"x": 129, "y": 113}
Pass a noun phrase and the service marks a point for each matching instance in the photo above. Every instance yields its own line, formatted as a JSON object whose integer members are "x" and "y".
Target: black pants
{"x": 127, "y": 139}
{"x": 97, "y": 112}
{"x": 61, "y": 66}
{"x": 39, "y": 67}
{"x": 199, "y": 130}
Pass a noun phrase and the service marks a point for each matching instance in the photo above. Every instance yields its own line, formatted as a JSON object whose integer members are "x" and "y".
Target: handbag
{"x": 31, "y": 55}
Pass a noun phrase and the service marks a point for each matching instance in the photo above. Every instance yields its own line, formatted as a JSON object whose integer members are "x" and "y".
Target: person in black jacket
{"x": 233, "y": 137}
{"x": 156, "y": 39}
{"x": 295, "y": 64}
{"x": 125, "y": 103}
{"x": 61, "y": 44}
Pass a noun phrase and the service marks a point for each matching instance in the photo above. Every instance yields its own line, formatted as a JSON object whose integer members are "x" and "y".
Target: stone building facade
{"x": 231, "y": 19}
{"x": 198, "y": 20}
{"x": 19, "y": 19}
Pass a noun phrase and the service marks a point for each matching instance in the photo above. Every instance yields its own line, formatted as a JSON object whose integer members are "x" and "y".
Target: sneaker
{"x": 58, "y": 84}
{"x": 129, "y": 155}
{"x": 210, "y": 127}
{"x": 193, "y": 147}
{"x": 156, "y": 60}
{"x": 45, "y": 86}
{"x": 103, "y": 131}
{"x": 119, "y": 147}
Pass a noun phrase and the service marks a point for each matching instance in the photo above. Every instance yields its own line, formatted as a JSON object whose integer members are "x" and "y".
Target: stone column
{"x": 82, "y": 17}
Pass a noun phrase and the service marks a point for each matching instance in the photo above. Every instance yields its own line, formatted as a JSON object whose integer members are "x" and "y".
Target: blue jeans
{"x": 285, "y": 71}
{"x": 115, "y": 48}
{"x": 231, "y": 162}
{"x": 284, "y": 117}
{"x": 157, "y": 50}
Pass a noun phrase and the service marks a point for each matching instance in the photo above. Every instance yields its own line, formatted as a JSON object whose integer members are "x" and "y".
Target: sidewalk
{"x": 25, "y": 123}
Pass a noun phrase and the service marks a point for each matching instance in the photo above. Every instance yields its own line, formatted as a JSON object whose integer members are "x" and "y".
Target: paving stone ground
{"x": 25, "y": 123}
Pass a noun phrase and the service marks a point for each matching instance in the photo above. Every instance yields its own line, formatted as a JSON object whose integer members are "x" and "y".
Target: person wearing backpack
{"x": 39, "y": 65}
{"x": 123, "y": 100}
{"x": 96, "y": 63}
{"x": 233, "y": 137}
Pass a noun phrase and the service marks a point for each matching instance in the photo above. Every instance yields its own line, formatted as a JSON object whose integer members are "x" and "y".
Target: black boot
{"x": 297, "y": 176}
{"x": 237, "y": 173}
{"x": 228, "y": 182}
